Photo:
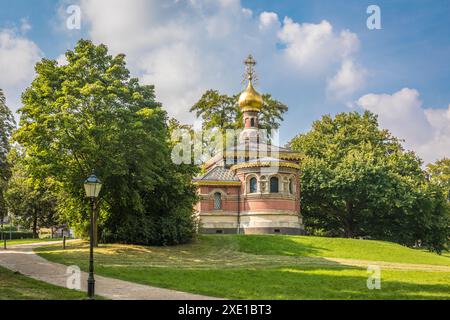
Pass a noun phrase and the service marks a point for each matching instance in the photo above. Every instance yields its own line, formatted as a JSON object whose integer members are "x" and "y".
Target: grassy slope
{"x": 25, "y": 241}
{"x": 219, "y": 266}
{"x": 338, "y": 248}
{"x": 18, "y": 287}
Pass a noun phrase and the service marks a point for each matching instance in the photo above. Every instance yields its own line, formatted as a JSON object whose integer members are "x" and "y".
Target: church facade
{"x": 252, "y": 187}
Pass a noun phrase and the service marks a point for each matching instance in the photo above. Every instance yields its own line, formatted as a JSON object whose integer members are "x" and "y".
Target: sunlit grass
{"x": 26, "y": 241}
{"x": 308, "y": 246}
{"x": 264, "y": 267}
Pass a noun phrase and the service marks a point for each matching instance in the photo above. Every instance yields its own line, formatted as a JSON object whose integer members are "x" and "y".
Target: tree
{"x": 439, "y": 173}
{"x": 89, "y": 114}
{"x": 7, "y": 125}
{"x": 220, "y": 111}
{"x": 31, "y": 201}
{"x": 357, "y": 181}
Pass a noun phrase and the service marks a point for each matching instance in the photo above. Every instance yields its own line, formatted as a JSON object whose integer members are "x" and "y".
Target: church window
{"x": 274, "y": 185}
{"x": 291, "y": 187}
{"x": 252, "y": 122}
{"x": 217, "y": 200}
{"x": 253, "y": 184}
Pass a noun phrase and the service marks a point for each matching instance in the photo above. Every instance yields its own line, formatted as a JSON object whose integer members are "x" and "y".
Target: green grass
{"x": 25, "y": 241}
{"x": 338, "y": 248}
{"x": 14, "y": 286}
{"x": 264, "y": 267}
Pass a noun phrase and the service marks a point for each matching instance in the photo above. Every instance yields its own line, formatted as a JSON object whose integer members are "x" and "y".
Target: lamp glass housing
{"x": 92, "y": 186}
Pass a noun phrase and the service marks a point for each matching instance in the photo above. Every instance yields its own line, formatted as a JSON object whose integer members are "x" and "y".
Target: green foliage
{"x": 89, "y": 114}
{"x": 220, "y": 111}
{"x": 31, "y": 201}
{"x": 18, "y": 235}
{"x": 357, "y": 181}
{"x": 439, "y": 173}
{"x": 7, "y": 227}
{"x": 7, "y": 125}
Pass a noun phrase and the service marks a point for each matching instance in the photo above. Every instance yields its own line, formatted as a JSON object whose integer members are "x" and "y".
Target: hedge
{"x": 18, "y": 235}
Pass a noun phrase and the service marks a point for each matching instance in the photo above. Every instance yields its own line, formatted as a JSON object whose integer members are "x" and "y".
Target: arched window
{"x": 252, "y": 122}
{"x": 253, "y": 185}
{"x": 274, "y": 185}
{"x": 217, "y": 200}
{"x": 291, "y": 186}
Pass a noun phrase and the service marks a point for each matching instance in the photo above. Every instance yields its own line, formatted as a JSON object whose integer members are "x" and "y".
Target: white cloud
{"x": 183, "y": 48}
{"x": 426, "y": 131}
{"x": 18, "y": 56}
{"x": 62, "y": 60}
{"x": 186, "y": 47}
{"x": 247, "y": 12}
{"x": 314, "y": 47}
{"x": 347, "y": 81}
{"x": 268, "y": 20}
{"x": 25, "y": 26}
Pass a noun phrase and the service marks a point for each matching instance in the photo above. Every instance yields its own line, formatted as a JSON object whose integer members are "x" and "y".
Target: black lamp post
{"x": 92, "y": 186}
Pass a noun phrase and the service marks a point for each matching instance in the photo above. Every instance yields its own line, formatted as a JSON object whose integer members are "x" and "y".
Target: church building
{"x": 252, "y": 187}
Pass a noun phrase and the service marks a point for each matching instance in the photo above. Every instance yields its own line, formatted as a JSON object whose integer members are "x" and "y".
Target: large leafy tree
{"x": 31, "y": 201}
{"x": 90, "y": 114}
{"x": 358, "y": 181}
{"x": 220, "y": 111}
{"x": 7, "y": 125}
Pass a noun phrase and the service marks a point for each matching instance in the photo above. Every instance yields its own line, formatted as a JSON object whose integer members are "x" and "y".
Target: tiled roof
{"x": 219, "y": 174}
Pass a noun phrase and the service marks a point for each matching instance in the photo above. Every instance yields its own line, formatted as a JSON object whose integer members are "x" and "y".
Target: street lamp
{"x": 92, "y": 186}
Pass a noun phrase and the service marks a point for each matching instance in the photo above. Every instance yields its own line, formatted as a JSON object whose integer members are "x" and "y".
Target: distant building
{"x": 252, "y": 187}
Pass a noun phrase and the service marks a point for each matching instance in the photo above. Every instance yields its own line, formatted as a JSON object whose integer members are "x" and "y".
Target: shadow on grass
{"x": 278, "y": 245}
{"x": 214, "y": 266}
{"x": 286, "y": 283}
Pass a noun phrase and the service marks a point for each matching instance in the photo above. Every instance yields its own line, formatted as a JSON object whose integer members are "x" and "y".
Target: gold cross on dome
{"x": 250, "y": 63}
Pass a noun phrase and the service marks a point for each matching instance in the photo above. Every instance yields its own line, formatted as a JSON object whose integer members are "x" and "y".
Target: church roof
{"x": 218, "y": 174}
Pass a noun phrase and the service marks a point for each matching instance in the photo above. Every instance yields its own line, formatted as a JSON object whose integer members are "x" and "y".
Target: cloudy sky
{"x": 319, "y": 57}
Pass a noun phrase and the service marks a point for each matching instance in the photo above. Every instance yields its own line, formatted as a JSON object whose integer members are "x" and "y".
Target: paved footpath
{"x": 21, "y": 258}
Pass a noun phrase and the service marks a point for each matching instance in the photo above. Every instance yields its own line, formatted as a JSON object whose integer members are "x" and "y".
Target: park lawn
{"x": 25, "y": 241}
{"x": 227, "y": 266}
{"x": 14, "y": 286}
{"x": 308, "y": 246}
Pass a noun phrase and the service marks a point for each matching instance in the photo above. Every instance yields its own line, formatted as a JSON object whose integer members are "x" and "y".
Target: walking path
{"x": 21, "y": 258}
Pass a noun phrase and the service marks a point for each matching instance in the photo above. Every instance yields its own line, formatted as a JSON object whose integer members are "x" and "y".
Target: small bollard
{"x": 64, "y": 242}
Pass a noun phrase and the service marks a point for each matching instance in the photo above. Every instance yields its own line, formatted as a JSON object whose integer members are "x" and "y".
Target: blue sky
{"x": 321, "y": 59}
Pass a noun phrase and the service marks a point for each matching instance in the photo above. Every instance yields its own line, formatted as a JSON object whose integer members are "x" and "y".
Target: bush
{"x": 7, "y": 227}
{"x": 18, "y": 235}
{"x": 148, "y": 229}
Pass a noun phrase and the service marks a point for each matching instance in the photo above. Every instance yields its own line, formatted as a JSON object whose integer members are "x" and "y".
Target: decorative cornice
{"x": 216, "y": 183}
{"x": 247, "y": 109}
{"x": 272, "y": 196}
{"x": 262, "y": 153}
{"x": 265, "y": 164}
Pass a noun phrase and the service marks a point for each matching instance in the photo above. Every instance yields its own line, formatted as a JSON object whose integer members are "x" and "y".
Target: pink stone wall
{"x": 269, "y": 204}
{"x": 230, "y": 199}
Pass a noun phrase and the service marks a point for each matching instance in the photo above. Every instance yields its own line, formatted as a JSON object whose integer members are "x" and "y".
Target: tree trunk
{"x": 349, "y": 220}
{"x": 35, "y": 218}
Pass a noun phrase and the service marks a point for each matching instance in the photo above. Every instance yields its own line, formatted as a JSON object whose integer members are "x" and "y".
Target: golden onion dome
{"x": 250, "y": 99}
